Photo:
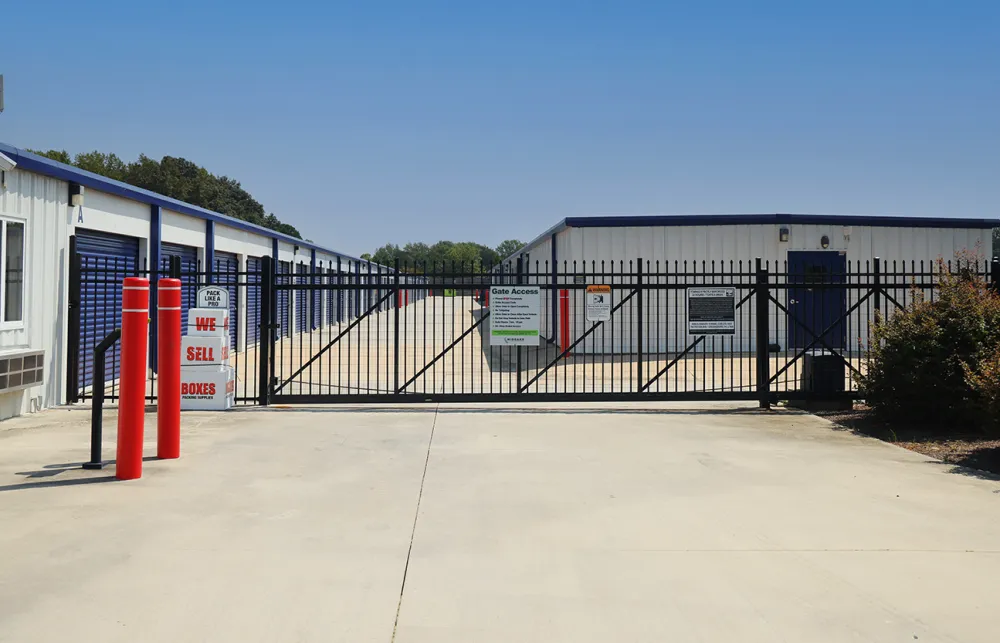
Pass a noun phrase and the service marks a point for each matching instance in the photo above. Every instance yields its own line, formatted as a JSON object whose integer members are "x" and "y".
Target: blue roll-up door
{"x": 300, "y": 299}
{"x": 253, "y": 300}
{"x": 105, "y": 260}
{"x": 189, "y": 276}
{"x": 227, "y": 268}
{"x": 331, "y": 296}
{"x": 284, "y": 315}
{"x": 316, "y": 296}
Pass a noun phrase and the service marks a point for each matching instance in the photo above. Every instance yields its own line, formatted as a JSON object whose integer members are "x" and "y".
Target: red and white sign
{"x": 204, "y": 351}
{"x": 207, "y": 389}
{"x": 208, "y": 322}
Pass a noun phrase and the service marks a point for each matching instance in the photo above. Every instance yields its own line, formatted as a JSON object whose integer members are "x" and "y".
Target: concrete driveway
{"x": 465, "y": 524}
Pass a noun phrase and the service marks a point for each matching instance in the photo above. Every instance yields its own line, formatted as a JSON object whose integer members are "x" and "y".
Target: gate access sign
{"x": 514, "y": 315}
{"x": 711, "y": 311}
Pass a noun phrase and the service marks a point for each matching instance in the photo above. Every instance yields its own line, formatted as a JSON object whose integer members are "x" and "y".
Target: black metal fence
{"x": 95, "y": 312}
{"x": 797, "y": 329}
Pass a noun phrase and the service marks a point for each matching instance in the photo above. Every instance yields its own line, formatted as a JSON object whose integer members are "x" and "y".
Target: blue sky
{"x": 387, "y": 121}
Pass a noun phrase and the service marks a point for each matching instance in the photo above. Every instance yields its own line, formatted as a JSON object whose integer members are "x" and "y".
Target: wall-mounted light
{"x": 825, "y": 242}
{"x": 847, "y": 233}
{"x": 783, "y": 234}
{"x": 295, "y": 250}
{"x": 75, "y": 195}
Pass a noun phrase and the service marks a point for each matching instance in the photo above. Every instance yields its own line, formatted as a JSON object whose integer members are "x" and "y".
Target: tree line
{"x": 180, "y": 179}
{"x": 414, "y": 256}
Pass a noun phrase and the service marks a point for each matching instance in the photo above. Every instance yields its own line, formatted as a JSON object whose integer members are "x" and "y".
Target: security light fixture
{"x": 783, "y": 234}
{"x": 75, "y": 195}
{"x": 825, "y": 242}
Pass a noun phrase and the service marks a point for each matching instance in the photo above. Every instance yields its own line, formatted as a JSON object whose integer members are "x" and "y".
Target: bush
{"x": 984, "y": 380}
{"x": 937, "y": 362}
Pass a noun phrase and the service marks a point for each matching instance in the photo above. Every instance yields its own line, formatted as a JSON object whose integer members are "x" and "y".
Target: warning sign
{"x": 598, "y": 303}
{"x": 514, "y": 315}
{"x": 711, "y": 311}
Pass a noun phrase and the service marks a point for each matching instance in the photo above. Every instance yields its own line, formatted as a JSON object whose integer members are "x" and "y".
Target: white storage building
{"x": 698, "y": 249}
{"x": 43, "y": 204}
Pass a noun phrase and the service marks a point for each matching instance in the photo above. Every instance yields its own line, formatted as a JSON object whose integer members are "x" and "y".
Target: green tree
{"x": 181, "y": 179}
{"x": 108, "y": 165}
{"x": 61, "y": 156}
{"x": 508, "y": 248}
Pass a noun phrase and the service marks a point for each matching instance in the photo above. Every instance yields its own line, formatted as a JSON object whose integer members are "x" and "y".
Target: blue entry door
{"x": 814, "y": 300}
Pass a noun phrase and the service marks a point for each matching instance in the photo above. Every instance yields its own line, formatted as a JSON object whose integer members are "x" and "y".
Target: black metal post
{"x": 73, "y": 325}
{"x": 877, "y": 283}
{"x": 175, "y": 267}
{"x": 995, "y": 274}
{"x": 340, "y": 293}
{"x": 763, "y": 358}
{"x": 266, "y": 343}
{"x": 519, "y": 279}
{"x": 638, "y": 325}
{"x": 395, "y": 331}
{"x": 97, "y": 404}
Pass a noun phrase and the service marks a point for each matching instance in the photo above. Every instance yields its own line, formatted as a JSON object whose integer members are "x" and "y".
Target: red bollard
{"x": 132, "y": 377}
{"x": 168, "y": 379}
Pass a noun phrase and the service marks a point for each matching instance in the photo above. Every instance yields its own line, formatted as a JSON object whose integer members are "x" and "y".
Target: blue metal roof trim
{"x": 42, "y": 165}
{"x": 757, "y": 219}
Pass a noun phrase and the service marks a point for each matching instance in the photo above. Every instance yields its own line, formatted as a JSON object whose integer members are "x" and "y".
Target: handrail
{"x": 97, "y": 405}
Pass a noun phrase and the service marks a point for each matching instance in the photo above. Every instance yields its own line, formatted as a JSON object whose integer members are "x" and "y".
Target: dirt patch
{"x": 973, "y": 451}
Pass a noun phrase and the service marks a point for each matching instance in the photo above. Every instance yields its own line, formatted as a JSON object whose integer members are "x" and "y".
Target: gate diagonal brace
{"x": 817, "y": 339}
{"x": 898, "y": 305}
{"x": 687, "y": 350}
{"x": 333, "y": 341}
{"x": 444, "y": 352}
{"x": 673, "y": 362}
{"x": 570, "y": 348}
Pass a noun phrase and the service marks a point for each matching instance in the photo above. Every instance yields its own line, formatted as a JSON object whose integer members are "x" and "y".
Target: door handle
{"x": 792, "y": 302}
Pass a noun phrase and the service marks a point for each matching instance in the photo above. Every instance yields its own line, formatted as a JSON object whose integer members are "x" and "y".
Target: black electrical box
{"x": 822, "y": 373}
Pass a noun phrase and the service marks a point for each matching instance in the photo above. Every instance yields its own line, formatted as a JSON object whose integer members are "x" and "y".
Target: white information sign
{"x": 213, "y": 297}
{"x": 208, "y": 322}
{"x": 711, "y": 311}
{"x": 198, "y": 350}
{"x": 207, "y": 388}
{"x": 515, "y": 316}
{"x": 598, "y": 303}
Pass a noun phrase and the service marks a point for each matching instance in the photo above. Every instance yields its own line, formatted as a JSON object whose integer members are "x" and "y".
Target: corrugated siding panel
{"x": 41, "y": 202}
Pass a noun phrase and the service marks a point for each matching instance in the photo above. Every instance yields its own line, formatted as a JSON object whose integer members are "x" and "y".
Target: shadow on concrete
{"x": 432, "y": 408}
{"x": 43, "y": 484}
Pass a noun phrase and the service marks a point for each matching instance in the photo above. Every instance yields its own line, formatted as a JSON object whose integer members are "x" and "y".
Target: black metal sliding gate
{"x": 423, "y": 333}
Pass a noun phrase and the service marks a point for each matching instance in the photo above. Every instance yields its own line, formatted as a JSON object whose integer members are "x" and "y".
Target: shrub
{"x": 984, "y": 380}
{"x": 930, "y": 363}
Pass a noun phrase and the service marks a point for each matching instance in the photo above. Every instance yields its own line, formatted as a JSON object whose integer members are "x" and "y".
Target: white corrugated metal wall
{"x": 42, "y": 204}
{"x": 702, "y": 245}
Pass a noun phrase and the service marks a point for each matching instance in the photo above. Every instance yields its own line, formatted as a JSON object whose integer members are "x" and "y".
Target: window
{"x": 12, "y": 266}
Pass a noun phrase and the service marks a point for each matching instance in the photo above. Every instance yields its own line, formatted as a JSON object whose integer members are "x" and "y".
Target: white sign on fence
{"x": 208, "y": 322}
{"x": 198, "y": 350}
{"x": 213, "y": 297}
{"x": 711, "y": 311}
{"x": 515, "y": 317}
{"x": 598, "y": 303}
